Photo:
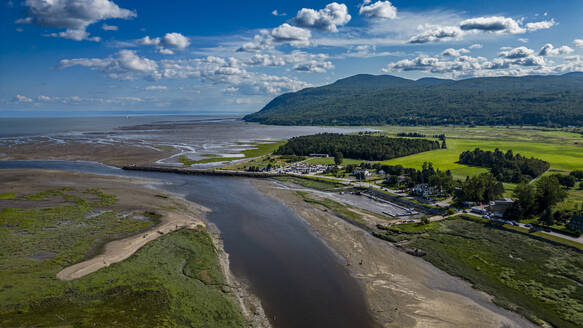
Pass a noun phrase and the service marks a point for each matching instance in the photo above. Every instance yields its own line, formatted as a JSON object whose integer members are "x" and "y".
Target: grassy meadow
{"x": 562, "y": 149}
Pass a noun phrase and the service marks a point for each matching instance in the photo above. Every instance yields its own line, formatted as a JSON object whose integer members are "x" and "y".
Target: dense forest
{"x": 378, "y": 100}
{"x": 365, "y": 147}
{"x": 506, "y": 167}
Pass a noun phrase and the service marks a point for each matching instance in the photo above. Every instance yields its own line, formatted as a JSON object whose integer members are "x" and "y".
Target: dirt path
{"x": 119, "y": 250}
{"x": 402, "y": 290}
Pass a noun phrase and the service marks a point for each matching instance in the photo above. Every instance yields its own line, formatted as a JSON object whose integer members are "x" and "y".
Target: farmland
{"x": 562, "y": 149}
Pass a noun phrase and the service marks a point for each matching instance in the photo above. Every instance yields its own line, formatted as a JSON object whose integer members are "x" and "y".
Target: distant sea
{"x": 45, "y": 126}
{"x": 193, "y": 136}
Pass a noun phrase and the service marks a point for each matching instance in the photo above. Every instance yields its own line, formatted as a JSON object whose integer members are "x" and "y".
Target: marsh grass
{"x": 535, "y": 278}
{"x": 175, "y": 280}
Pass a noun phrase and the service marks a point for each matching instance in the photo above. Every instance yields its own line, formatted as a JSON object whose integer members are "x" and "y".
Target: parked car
{"x": 486, "y": 217}
{"x": 465, "y": 211}
{"x": 528, "y": 225}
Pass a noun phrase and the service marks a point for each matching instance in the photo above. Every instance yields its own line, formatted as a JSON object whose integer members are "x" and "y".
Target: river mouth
{"x": 299, "y": 280}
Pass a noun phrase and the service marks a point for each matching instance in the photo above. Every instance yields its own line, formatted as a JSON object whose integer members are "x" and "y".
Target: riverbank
{"x": 130, "y": 249}
{"x": 402, "y": 290}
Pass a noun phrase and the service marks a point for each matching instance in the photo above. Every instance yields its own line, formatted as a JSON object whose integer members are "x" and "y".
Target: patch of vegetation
{"x": 8, "y": 195}
{"x": 168, "y": 149}
{"x": 506, "y": 167}
{"x": 266, "y": 161}
{"x": 317, "y": 183}
{"x": 539, "y": 280}
{"x": 365, "y": 147}
{"x": 259, "y": 148}
{"x": 342, "y": 210}
{"x": 175, "y": 280}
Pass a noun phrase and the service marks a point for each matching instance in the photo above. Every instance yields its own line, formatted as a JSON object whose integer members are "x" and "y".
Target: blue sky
{"x": 79, "y": 56}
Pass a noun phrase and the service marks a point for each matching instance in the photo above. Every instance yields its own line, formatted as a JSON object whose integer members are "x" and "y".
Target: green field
{"x": 562, "y": 149}
{"x": 175, "y": 280}
{"x": 535, "y": 278}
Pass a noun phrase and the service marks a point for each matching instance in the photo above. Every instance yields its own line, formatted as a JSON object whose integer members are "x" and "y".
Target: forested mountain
{"x": 384, "y": 99}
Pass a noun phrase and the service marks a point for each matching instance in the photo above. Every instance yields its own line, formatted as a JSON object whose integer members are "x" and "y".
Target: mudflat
{"x": 111, "y": 154}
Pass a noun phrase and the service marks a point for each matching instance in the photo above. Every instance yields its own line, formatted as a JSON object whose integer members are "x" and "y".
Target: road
{"x": 443, "y": 203}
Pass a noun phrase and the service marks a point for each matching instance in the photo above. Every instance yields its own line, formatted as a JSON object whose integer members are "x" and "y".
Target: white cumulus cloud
{"x": 379, "y": 9}
{"x": 314, "y": 66}
{"x": 519, "y": 52}
{"x": 497, "y": 24}
{"x": 549, "y": 50}
{"x": 296, "y": 36}
{"x": 72, "y": 15}
{"x": 434, "y": 33}
{"x": 542, "y": 25}
{"x": 327, "y": 19}
{"x": 451, "y": 52}
{"x": 125, "y": 65}
{"x": 170, "y": 40}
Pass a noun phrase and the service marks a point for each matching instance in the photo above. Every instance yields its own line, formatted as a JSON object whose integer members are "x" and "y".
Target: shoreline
{"x": 249, "y": 304}
{"x": 401, "y": 290}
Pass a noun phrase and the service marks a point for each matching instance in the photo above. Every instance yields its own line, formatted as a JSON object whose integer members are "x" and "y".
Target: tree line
{"x": 505, "y": 167}
{"x": 534, "y": 199}
{"x": 364, "y": 147}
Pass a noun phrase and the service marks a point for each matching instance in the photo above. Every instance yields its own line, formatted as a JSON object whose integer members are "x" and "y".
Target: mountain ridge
{"x": 365, "y": 99}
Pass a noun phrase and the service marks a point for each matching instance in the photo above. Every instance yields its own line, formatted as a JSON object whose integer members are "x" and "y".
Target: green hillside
{"x": 384, "y": 99}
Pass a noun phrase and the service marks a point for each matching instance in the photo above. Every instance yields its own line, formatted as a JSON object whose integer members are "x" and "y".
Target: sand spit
{"x": 119, "y": 250}
{"x": 402, "y": 290}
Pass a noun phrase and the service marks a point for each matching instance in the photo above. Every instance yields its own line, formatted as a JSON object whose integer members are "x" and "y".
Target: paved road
{"x": 551, "y": 233}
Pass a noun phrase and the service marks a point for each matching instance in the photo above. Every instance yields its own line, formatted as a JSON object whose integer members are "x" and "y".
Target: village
{"x": 424, "y": 194}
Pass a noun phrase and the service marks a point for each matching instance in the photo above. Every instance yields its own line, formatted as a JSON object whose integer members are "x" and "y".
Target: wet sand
{"x": 402, "y": 290}
{"x": 110, "y": 154}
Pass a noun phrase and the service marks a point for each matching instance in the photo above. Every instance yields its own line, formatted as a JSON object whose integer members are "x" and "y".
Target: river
{"x": 301, "y": 282}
